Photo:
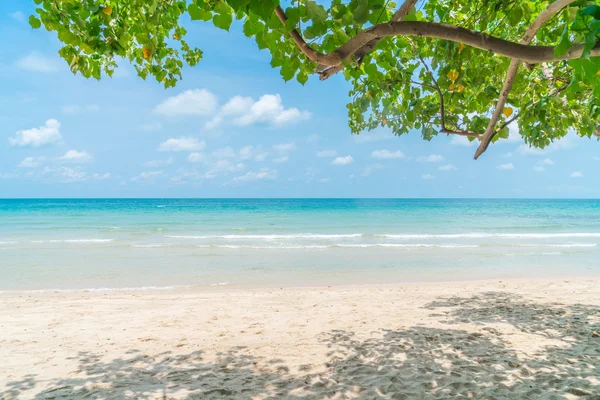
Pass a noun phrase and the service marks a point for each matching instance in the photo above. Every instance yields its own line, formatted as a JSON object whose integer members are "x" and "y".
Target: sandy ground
{"x": 502, "y": 340}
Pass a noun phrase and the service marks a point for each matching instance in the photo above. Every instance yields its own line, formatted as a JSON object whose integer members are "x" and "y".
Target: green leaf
{"x": 592, "y": 10}
{"x": 196, "y": 13}
{"x": 361, "y": 12}
{"x": 34, "y": 22}
{"x": 263, "y": 8}
{"x": 302, "y": 77}
{"x": 223, "y": 21}
{"x": 565, "y": 43}
{"x": 238, "y": 4}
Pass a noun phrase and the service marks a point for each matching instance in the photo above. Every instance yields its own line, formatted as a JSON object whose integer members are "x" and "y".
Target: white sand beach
{"x": 494, "y": 339}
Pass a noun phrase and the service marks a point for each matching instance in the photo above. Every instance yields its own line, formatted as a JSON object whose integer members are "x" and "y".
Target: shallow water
{"x": 134, "y": 243}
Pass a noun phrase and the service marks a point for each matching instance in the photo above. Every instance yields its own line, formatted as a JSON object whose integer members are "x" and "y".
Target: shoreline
{"x": 494, "y": 338}
{"x": 227, "y": 287}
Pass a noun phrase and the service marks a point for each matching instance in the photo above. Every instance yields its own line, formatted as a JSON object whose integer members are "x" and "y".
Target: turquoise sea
{"x": 101, "y": 244}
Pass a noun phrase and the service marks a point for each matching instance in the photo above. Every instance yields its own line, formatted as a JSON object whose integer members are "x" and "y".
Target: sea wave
{"x": 270, "y": 237}
{"x": 9, "y": 242}
{"x": 477, "y": 235}
{"x": 335, "y": 245}
{"x": 565, "y": 245}
{"x": 153, "y": 245}
{"x": 73, "y": 241}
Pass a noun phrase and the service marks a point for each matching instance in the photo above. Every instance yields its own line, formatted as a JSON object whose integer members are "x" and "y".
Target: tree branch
{"x": 479, "y": 40}
{"x": 399, "y": 15}
{"x": 437, "y": 88}
{"x": 513, "y": 69}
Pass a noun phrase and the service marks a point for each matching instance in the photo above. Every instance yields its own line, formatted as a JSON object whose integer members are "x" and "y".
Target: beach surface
{"x": 486, "y": 339}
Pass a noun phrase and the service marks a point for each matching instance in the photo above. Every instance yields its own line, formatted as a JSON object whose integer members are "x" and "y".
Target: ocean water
{"x": 102, "y": 244}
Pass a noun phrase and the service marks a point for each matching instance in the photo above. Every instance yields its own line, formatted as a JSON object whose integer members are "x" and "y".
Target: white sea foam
{"x": 152, "y": 245}
{"x": 100, "y": 289}
{"x": 269, "y": 237}
{"x": 565, "y": 245}
{"x": 335, "y": 245}
{"x": 476, "y": 235}
{"x": 73, "y": 241}
{"x": 9, "y": 242}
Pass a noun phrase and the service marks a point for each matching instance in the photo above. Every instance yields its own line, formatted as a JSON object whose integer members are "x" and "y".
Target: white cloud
{"x": 447, "y": 167}
{"x": 66, "y": 174}
{"x": 342, "y": 160}
{"x": 324, "y": 180}
{"x": 244, "y": 111}
{"x": 36, "y": 137}
{"x": 250, "y": 152}
{"x": 36, "y": 62}
{"x": 386, "y": 154}
{"x": 427, "y": 177}
{"x": 313, "y": 138}
{"x": 223, "y": 167}
{"x": 182, "y": 144}
{"x": 284, "y": 147}
{"x": 539, "y": 168}
{"x": 159, "y": 163}
{"x": 281, "y": 159}
{"x": 560, "y": 144}
{"x": 79, "y": 109}
{"x": 507, "y": 166}
{"x": 432, "y": 158}
{"x": 326, "y": 153}
{"x": 196, "y": 157}
{"x": 576, "y": 174}
{"x": 263, "y": 174}
{"x": 463, "y": 141}
{"x": 225, "y": 152}
{"x": 547, "y": 161}
{"x": 148, "y": 176}
{"x": 29, "y": 162}
{"x": 191, "y": 102}
{"x": 74, "y": 156}
{"x": 101, "y": 177}
{"x": 150, "y": 127}
{"x": 375, "y": 135}
{"x": 371, "y": 168}
{"x": 18, "y": 16}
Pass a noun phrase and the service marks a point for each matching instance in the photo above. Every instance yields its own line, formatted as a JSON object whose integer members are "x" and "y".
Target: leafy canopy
{"x": 415, "y": 69}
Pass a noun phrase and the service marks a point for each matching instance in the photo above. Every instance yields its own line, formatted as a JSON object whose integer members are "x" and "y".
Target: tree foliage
{"x": 467, "y": 67}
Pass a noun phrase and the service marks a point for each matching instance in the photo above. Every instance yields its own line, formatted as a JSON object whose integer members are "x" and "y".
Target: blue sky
{"x": 233, "y": 128}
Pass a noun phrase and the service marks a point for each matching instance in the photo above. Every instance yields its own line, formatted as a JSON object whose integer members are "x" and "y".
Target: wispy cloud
{"x": 36, "y": 62}
{"x": 199, "y": 102}
{"x": 576, "y": 174}
{"x": 76, "y": 157}
{"x": 506, "y": 167}
{"x": 36, "y": 137}
{"x": 432, "y": 158}
{"x": 447, "y": 167}
{"x": 263, "y": 174}
{"x": 371, "y": 168}
{"x": 343, "y": 160}
{"x": 387, "y": 154}
{"x": 182, "y": 144}
{"x": 326, "y": 153}
{"x": 427, "y": 177}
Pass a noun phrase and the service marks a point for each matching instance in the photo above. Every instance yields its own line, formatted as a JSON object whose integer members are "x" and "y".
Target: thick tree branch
{"x": 513, "y": 69}
{"x": 399, "y": 15}
{"x": 530, "y": 54}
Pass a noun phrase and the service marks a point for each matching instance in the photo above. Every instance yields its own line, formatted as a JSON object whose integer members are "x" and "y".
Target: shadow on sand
{"x": 415, "y": 363}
